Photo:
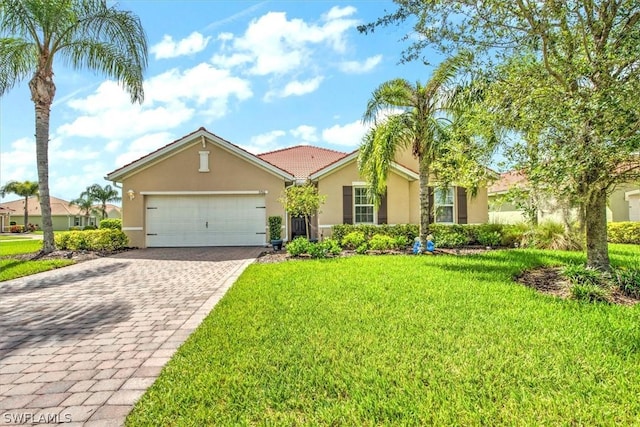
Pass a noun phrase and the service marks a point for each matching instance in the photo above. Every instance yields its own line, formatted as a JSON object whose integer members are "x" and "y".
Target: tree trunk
{"x": 424, "y": 200}
{"x": 43, "y": 91}
{"x": 26, "y": 213}
{"x": 596, "y": 231}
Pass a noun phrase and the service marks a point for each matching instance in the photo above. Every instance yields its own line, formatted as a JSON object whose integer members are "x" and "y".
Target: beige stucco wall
{"x": 619, "y": 207}
{"x": 478, "y": 207}
{"x": 179, "y": 172}
{"x": 398, "y": 201}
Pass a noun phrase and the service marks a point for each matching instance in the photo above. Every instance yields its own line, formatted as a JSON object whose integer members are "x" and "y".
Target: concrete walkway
{"x": 81, "y": 344}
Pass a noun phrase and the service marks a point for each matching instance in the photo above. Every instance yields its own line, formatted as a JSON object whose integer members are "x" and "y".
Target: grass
{"x": 19, "y": 247}
{"x": 12, "y": 267}
{"x": 402, "y": 340}
{"x": 13, "y": 237}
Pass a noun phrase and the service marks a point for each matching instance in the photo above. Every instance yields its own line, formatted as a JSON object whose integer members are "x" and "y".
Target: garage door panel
{"x": 205, "y": 220}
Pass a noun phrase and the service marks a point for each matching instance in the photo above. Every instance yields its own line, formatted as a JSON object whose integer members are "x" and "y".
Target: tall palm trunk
{"x": 596, "y": 230}
{"x": 26, "y": 213}
{"x": 425, "y": 207}
{"x": 43, "y": 91}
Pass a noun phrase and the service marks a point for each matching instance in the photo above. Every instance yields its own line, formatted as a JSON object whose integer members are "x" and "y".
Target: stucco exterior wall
{"x": 179, "y": 172}
{"x": 619, "y": 207}
{"x": 60, "y": 223}
{"x": 478, "y": 207}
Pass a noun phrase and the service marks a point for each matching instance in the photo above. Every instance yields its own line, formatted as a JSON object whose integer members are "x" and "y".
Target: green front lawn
{"x": 12, "y": 267}
{"x": 403, "y": 340}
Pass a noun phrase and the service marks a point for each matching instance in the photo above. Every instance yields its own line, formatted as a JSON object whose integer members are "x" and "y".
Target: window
{"x": 443, "y": 201}
{"x": 363, "y": 206}
{"x": 76, "y": 221}
{"x": 204, "y": 161}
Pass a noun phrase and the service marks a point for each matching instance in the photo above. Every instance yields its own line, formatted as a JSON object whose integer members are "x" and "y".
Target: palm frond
{"x": 18, "y": 60}
{"x": 396, "y": 93}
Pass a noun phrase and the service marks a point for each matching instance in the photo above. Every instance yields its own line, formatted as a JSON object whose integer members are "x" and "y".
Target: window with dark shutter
{"x": 347, "y": 204}
{"x": 462, "y": 205}
{"x": 382, "y": 210}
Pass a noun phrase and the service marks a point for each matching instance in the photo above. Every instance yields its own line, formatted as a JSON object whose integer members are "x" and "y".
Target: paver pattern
{"x": 81, "y": 344}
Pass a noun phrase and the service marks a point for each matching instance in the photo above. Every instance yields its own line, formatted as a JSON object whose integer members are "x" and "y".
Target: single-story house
{"x": 5, "y": 215}
{"x": 63, "y": 216}
{"x": 202, "y": 190}
{"x": 623, "y": 205}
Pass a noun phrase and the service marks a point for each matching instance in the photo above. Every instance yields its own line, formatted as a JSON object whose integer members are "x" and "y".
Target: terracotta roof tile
{"x": 59, "y": 207}
{"x": 507, "y": 180}
{"x": 302, "y": 160}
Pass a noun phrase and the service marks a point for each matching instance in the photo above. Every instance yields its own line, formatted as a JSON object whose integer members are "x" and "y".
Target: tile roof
{"x": 302, "y": 160}
{"x": 508, "y": 180}
{"x": 59, "y": 207}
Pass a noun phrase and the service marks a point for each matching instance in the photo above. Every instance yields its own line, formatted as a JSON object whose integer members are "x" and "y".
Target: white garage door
{"x": 220, "y": 220}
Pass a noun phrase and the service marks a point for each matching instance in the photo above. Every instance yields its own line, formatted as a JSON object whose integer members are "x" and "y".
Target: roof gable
{"x": 302, "y": 160}
{"x": 59, "y": 207}
{"x": 205, "y": 136}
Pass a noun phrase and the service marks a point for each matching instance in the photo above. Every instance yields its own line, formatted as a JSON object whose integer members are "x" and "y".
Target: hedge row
{"x": 92, "y": 240}
{"x": 624, "y": 232}
{"x": 445, "y": 236}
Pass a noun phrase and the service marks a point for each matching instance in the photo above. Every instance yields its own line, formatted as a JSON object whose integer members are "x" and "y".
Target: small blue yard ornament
{"x": 417, "y": 246}
{"x": 431, "y": 246}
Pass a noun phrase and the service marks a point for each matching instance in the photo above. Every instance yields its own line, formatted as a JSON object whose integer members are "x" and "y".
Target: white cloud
{"x": 168, "y": 48}
{"x": 268, "y": 138}
{"x": 113, "y": 146}
{"x": 171, "y": 99}
{"x": 305, "y": 133}
{"x": 295, "y": 88}
{"x": 19, "y": 163}
{"x": 274, "y": 44}
{"x": 143, "y": 146}
{"x": 355, "y": 67}
{"x": 337, "y": 12}
{"x": 346, "y": 135}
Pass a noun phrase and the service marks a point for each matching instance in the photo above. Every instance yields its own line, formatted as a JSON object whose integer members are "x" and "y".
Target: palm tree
{"x": 82, "y": 33}
{"x": 103, "y": 195}
{"x": 85, "y": 204}
{"x": 421, "y": 125}
{"x": 24, "y": 189}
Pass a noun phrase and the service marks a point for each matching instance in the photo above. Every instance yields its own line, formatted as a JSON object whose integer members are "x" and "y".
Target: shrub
{"x": 380, "y": 242}
{"x": 513, "y": 234}
{"x": 275, "y": 227}
{"x": 75, "y": 228}
{"x": 552, "y": 235}
{"x": 589, "y": 293}
{"x": 112, "y": 223}
{"x": 353, "y": 240}
{"x": 90, "y": 227}
{"x": 449, "y": 236}
{"x": 489, "y": 238}
{"x": 579, "y": 274}
{"x": 332, "y": 246}
{"x": 624, "y": 232}
{"x": 16, "y": 229}
{"x": 298, "y": 246}
{"x": 628, "y": 280}
{"x": 401, "y": 242}
{"x": 92, "y": 240}
{"x": 409, "y": 231}
{"x": 362, "y": 249}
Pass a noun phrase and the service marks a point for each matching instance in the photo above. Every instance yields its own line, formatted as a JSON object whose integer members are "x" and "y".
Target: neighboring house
{"x": 202, "y": 190}
{"x": 5, "y": 214}
{"x": 63, "y": 216}
{"x": 623, "y": 205}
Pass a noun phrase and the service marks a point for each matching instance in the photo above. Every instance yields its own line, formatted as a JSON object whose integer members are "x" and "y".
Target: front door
{"x": 298, "y": 227}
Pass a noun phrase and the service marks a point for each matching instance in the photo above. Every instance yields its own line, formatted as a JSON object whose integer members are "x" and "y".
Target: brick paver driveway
{"x": 80, "y": 345}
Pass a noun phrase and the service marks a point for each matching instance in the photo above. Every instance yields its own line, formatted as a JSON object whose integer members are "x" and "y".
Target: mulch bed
{"x": 549, "y": 281}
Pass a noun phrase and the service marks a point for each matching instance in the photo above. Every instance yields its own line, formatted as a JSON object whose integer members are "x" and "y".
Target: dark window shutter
{"x": 347, "y": 204}
{"x": 382, "y": 210}
{"x": 432, "y": 206}
{"x": 462, "y": 205}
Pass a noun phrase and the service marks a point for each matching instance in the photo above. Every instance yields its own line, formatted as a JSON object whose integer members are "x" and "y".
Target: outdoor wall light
{"x": 132, "y": 194}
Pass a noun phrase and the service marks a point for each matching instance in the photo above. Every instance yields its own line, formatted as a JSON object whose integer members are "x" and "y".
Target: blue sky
{"x": 263, "y": 75}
